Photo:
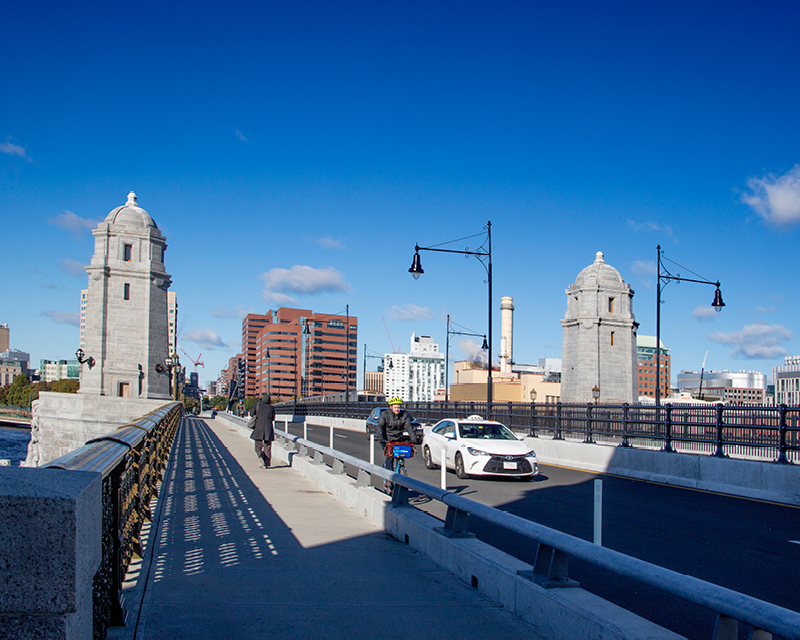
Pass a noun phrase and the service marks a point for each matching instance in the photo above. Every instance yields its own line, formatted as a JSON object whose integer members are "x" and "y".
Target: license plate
{"x": 509, "y": 465}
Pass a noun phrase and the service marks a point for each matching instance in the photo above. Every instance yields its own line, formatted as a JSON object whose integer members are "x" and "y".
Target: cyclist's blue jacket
{"x": 393, "y": 428}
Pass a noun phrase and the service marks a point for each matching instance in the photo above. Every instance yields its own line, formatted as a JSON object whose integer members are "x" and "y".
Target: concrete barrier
{"x": 50, "y": 550}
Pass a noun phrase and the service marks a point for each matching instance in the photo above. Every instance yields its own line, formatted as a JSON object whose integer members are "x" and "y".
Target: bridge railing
{"x": 555, "y": 549}
{"x": 131, "y": 460}
{"x": 748, "y": 431}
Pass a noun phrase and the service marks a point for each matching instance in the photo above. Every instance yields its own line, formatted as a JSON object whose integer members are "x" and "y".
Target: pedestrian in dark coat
{"x": 264, "y": 430}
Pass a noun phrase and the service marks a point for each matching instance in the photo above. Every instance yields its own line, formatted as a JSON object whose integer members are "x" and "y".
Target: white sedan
{"x": 478, "y": 447}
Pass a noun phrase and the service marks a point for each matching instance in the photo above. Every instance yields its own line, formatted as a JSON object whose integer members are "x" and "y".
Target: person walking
{"x": 264, "y": 430}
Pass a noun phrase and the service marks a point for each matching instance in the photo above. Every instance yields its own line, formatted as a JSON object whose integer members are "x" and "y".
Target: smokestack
{"x": 506, "y": 335}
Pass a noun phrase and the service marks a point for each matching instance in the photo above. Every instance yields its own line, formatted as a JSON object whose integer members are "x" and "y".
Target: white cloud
{"x": 281, "y": 285}
{"x": 205, "y": 338}
{"x": 72, "y": 267}
{"x": 776, "y": 198}
{"x": 769, "y": 309}
{"x": 329, "y": 243}
{"x": 15, "y": 150}
{"x": 228, "y": 314}
{"x": 644, "y": 268}
{"x": 472, "y": 351}
{"x": 63, "y": 317}
{"x": 241, "y": 137}
{"x": 73, "y": 223}
{"x": 703, "y": 312}
{"x": 755, "y": 341}
{"x": 664, "y": 229}
{"x": 410, "y": 313}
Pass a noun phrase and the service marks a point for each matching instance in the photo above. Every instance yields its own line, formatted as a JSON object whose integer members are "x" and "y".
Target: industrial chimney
{"x": 506, "y": 335}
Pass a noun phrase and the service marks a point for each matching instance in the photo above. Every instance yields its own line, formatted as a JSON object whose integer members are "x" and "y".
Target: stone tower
{"x": 126, "y": 307}
{"x": 599, "y": 337}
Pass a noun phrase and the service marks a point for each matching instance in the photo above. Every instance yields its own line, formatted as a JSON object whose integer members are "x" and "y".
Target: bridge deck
{"x": 242, "y": 552}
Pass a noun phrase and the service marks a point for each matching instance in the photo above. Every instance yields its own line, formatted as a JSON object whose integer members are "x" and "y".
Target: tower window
{"x": 127, "y": 251}
{"x": 611, "y": 305}
{"x": 127, "y": 291}
{"x": 612, "y": 338}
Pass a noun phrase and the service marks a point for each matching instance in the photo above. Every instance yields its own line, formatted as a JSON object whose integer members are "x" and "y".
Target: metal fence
{"x": 750, "y": 432}
{"x": 131, "y": 460}
{"x": 554, "y": 549}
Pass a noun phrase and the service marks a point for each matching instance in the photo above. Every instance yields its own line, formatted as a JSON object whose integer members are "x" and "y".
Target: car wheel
{"x": 427, "y": 459}
{"x": 460, "y": 472}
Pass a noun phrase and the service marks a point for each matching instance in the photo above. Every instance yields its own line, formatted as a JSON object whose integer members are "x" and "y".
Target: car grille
{"x": 495, "y": 465}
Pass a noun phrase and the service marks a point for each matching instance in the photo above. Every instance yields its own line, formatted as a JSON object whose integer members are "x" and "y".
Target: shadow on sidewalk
{"x": 224, "y": 565}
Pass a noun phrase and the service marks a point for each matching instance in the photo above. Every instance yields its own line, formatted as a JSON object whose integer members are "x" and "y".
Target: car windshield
{"x": 485, "y": 431}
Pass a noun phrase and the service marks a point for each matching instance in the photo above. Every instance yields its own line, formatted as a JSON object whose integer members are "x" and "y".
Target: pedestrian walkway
{"x": 244, "y": 552}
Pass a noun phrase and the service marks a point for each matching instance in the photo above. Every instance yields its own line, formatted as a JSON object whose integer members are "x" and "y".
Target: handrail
{"x": 555, "y": 547}
{"x": 131, "y": 461}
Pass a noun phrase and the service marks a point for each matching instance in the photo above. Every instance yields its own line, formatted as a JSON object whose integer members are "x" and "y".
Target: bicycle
{"x": 398, "y": 451}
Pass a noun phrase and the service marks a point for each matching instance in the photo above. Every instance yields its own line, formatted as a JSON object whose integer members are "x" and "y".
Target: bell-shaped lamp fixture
{"x": 485, "y": 345}
{"x": 416, "y": 269}
{"x": 718, "y": 303}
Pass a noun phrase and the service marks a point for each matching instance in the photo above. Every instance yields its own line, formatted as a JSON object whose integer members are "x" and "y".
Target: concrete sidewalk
{"x": 244, "y": 552}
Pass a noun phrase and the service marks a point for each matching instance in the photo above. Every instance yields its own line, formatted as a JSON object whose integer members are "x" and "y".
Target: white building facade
{"x": 734, "y": 387}
{"x": 417, "y": 376}
{"x": 787, "y": 381}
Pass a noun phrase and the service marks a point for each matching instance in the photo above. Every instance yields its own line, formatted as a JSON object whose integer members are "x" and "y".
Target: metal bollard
{"x": 330, "y": 440}
{"x": 372, "y": 448}
{"x": 598, "y": 512}
{"x": 443, "y": 475}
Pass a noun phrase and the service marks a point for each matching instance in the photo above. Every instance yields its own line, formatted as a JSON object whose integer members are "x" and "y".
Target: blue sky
{"x": 294, "y": 153}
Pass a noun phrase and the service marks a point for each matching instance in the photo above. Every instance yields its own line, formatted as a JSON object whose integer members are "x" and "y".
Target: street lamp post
{"x": 664, "y": 278}
{"x": 482, "y": 253}
{"x": 447, "y": 354}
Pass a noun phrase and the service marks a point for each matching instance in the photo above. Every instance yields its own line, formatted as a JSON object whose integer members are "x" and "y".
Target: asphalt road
{"x": 746, "y": 545}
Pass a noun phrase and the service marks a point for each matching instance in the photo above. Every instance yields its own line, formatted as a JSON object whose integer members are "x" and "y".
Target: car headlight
{"x": 476, "y": 452}
{"x": 531, "y": 454}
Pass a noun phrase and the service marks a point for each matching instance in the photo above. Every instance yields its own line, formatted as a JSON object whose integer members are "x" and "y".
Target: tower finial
{"x": 131, "y": 199}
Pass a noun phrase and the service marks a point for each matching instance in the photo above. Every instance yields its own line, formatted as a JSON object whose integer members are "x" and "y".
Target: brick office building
{"x": 298, "y": 353}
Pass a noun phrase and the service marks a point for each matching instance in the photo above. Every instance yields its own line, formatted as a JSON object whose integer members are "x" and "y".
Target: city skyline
{"x": 293, "y": 156}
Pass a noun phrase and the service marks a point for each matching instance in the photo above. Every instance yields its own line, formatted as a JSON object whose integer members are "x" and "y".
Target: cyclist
{"x": 393, "y": 425}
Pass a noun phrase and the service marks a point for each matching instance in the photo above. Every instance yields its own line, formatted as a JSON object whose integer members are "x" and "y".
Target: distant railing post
{"x": 719, "y": 453}
{"x": 532, "y": 432}
{"x": 558, "y": 422}
{"x": 782, "y": 459}
{"x": 668, "y": 431}
{"x": 588, "y": 439}
{"x": 625, "y": 443}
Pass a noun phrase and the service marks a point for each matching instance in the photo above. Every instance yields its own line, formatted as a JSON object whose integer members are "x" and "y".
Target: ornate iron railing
{"x": 751, "y": 431}
{"x": 131, "y": 460}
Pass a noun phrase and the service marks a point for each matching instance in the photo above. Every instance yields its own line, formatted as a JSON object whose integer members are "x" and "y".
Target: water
{"x": 14, "y": 444}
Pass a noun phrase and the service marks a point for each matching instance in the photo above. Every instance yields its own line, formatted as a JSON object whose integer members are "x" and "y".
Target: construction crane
{"x": 196, "y": 363}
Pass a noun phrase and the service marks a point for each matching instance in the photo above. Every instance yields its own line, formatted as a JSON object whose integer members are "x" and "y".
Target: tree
{"x": 67, "y": 385}
{"x": 249, "y": 403}
{"x": 191, "y": 404}
{"x": 19, "y": 391}
{"x": 219, "y": 402}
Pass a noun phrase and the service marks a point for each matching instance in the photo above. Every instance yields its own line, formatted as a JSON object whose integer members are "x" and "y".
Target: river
{"x": 14, "y": 444}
